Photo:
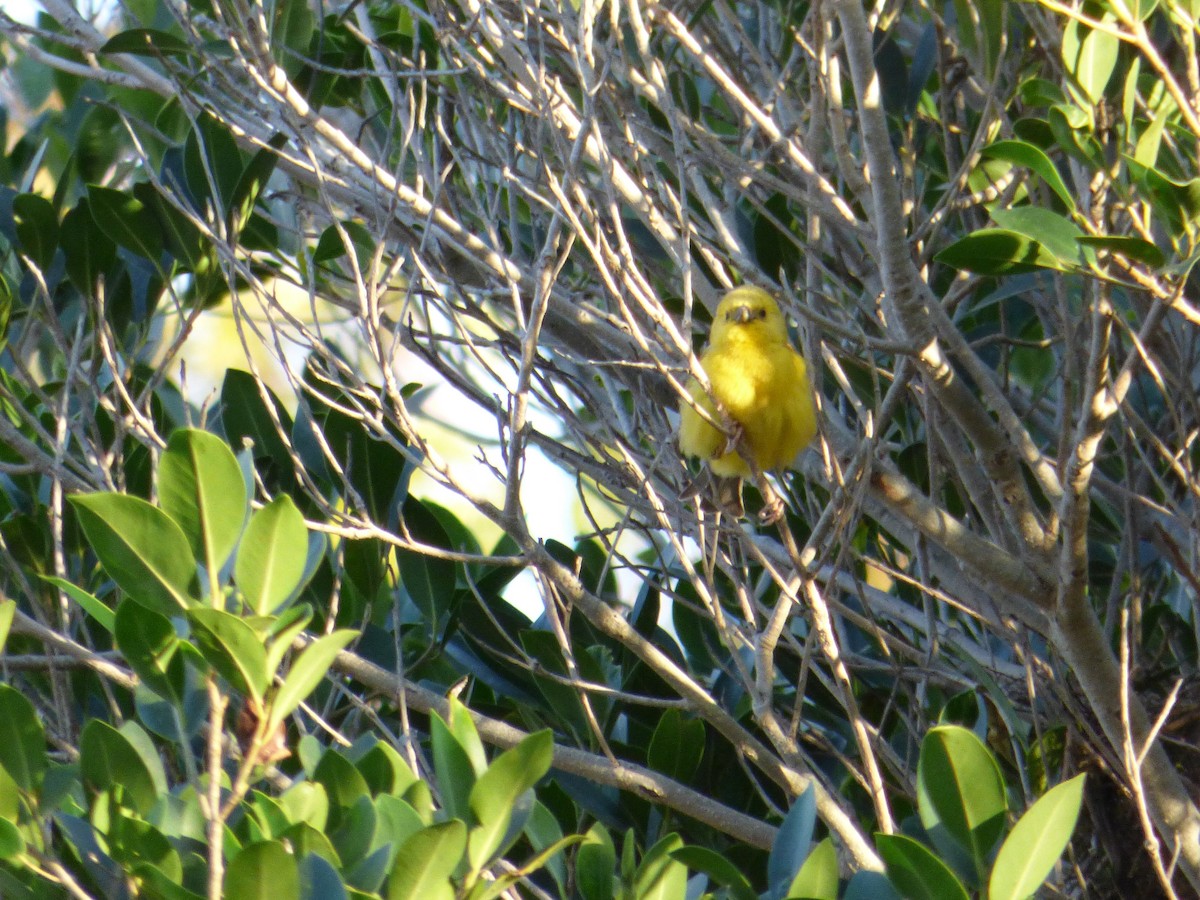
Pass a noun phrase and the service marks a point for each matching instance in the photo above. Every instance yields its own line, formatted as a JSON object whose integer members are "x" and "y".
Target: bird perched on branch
{"x": 761, "y": 385}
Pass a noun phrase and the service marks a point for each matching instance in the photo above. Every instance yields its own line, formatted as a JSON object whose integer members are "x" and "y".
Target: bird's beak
{"x": 743, "y": 315}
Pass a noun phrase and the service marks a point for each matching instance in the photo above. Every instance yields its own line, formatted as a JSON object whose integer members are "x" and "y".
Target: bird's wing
{"x": 696, "y": 436}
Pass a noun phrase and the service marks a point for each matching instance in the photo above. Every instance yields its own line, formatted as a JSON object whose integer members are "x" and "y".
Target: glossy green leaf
{"x": 141, "y": 549}
{"x": 343, "y": 785}
{"x": 90, "y": 604}
{"x": 146, "y": 42}
{"x": 677, "y": 746}
{"x": 818, "y": 877}
{"x": 916, "y": 872}
{"x": 149, "y": 643}
{"x": 1089, "y": 55}
{"x": 263, "y": 871}
{"x": 22, "y": 740}
{"x": 425, "y": 862}
{"x": 245, "y": 415}
{"x": 385, "y": 770}
{"x": 200, "y": 486}
{"x": 1132, "y": 248}
{"x": 398, "y": 821}
{"x": 1052, "y": 231}
{"x": 306, "y": 673}
{"x": 718, "y": 869}
{"x": 1150, "y": 140}
{"x": 867, "y": 885}
{"x": 126, "y": 220}
{"x": 108, "y": 759}
{"x": 231, "y": 647}
{"x": 12, "y": 844}
{"x": 792, "y": 843}
{"x": 660, "y": 877}
{"x": 270, "y": 561}
{"x": 307, "y": 802}
{"x": 960, "y": 791}
{"x": 1175, "y": 200}
{"x": 257, "y": 173}
{"x": 284, "y": 630}
{"x": 37, "y": 228}
{"x": 1033, "y": 158}
{"x": 428, "y": 580}
{"x": 1036, "y": 842}
{"x": 8, "y": 611}
{"x": 89, "y": 251}
{"x": 997, "y": 251}
{"x": 463, "y": 727}
{"x": 498, "y": 790}
{"x": 455, "y": 774}
{"x": 212, "y": 163}
{"x": 595, "y": 865}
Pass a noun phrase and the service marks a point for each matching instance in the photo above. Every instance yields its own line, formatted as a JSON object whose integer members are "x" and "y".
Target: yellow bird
{"x": 762, "y": 385}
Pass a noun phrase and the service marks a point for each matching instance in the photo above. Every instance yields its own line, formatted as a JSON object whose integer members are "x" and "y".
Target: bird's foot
{"x": 772, "y": 511}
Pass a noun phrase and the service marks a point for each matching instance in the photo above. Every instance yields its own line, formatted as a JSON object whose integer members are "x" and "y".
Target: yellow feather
{"x": 760, "y": 382}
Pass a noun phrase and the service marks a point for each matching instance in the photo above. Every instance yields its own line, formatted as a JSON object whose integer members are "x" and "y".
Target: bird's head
{"x": 748, "y": 313}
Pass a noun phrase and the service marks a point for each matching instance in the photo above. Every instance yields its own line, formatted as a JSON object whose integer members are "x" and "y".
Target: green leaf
{"x": 263, "y": 871}
{"x": 244, "y": 414}
{"x": 718, "y": 869}
{"x": 818, "y": 877}
{"x": 1053, "y": 232}
{"x": 12, "y": 844}
{"x": 792, "y": 842}
{"x": 595, "y": 865}
{"x": 146, "y": 42}
{"x": 307, "y": 802}
{"x": 463, "y": 727}
{"x": 660, "y": 877}
{"x": 1133, "y": 248}
{"x": 1089, "y": 56}
{"x": 233, "y": 648}
{"x": 22, "y": 740}
{"x": 108, "y": 759}
{"x": 89, "y": 251}
{"x": 37, "y": 228}
{"x": 960, "y": 792}
{"x": 306, "y": 673}
{"x": 257, "y": 173}
{"x": 428, "y": 580}
{"x": 90, "y": 604}
{"x": 1177, "y": 201}
{"x": 677, "y": 746}
{"x": 200, "y": 486}
{"x": 126, "y": 220}
{"x": 1036, "y": 842}
{"x": 1033, "y": 158}
{"x": 212, "y": 164}
{"x": 498, "y": 790}
{"x": 997, "y": 251}
{"x": 284, "y": 631}
{"x": 385, "y": 770}
{"x": 141, "y": 549}
{"x": 867, "y": 885}
{"x": 425, "y": 862}
{"x": 1146, "y": 151}
{"x": 343, "y": 785}
{"x": 398, "y": 821}
{"x": 455, "y": 774}
{"x": 270, "y": 561}
{"x": 8, "y": 611}
{"x": 148, "y": 642}
{"x": 916, "y": 872}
